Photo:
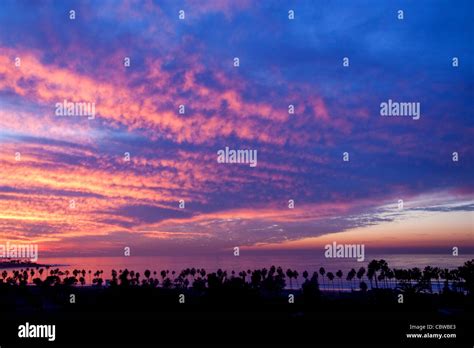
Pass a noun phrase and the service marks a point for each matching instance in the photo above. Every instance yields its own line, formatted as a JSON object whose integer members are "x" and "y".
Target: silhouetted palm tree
{"x": 384, "y": 271}
{"x": 466, "y": 272}
{"x": 390, "y": 275}
{"x": 305, "y": 275}
{"x": 373, "y": 267}
{"x": 443, "y": 274}
{"x": 289, "y": 274}
{"x": 350, "y": 277}
{"x": 415, "y": 274}
{"x": 147, "y": 275}
{"x": 339, "y": 274}
{"x": 360, "y": 274}
{"x": 454, "y": 276}
{"x": 295, "y": 275}
{"x": 322, "y": 271}
{"x": 436, "y": 273}
{"x": 427, "y": 276}
{"x": 330, "y": 276}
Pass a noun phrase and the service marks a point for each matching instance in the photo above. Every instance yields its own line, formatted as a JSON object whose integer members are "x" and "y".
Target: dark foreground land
{"x": 219, "y": 309}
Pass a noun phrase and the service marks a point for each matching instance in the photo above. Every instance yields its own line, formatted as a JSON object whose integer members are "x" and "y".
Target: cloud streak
{"x": 48, "y": 161}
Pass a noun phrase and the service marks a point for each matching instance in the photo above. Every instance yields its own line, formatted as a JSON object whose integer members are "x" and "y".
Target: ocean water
{"x": 300, "y": 262}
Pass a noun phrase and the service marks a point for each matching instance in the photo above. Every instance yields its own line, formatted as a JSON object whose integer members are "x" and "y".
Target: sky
{"x": 66, "y": 184}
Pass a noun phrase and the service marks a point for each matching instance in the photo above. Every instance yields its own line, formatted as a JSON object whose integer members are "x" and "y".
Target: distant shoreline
{"x": 9, "y": 265}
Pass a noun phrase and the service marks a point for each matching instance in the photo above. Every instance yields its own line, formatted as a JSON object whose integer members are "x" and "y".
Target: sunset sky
{"x": 174, "y": 156}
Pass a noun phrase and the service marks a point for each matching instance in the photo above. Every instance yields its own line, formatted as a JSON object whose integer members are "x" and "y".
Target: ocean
{"x": 301, "y": 262}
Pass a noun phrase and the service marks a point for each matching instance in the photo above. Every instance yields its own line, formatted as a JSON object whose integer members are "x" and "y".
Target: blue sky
{"x": 173, "y": 156}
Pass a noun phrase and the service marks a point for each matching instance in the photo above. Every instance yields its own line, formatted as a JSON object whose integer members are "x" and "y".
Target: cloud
{"x": 173, "y": 156}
